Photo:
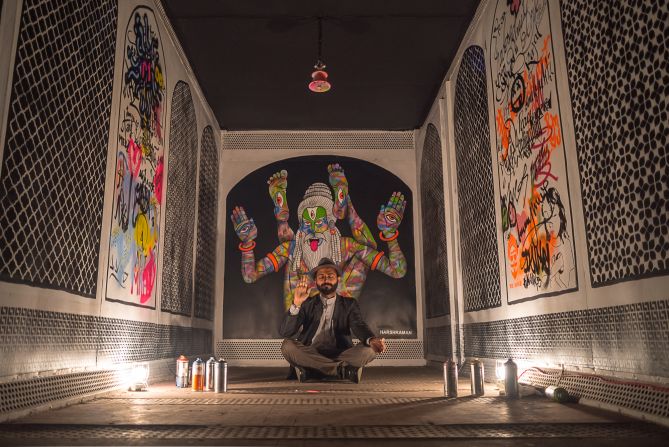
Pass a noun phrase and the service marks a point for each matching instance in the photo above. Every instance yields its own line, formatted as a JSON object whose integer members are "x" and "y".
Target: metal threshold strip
{"x": 539, "y": 430}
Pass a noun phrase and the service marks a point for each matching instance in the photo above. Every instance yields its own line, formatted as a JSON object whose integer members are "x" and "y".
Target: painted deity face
{"x": 315, "y": 235}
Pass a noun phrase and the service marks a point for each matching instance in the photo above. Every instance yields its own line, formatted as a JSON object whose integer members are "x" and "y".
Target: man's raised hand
{"x": 301, "y": 291}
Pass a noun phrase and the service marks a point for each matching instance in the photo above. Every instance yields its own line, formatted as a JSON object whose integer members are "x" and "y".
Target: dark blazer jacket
{"x": 346, "y": 319}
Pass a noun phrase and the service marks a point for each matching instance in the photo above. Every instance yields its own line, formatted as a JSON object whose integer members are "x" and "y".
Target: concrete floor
{"x": 392, "y": 406}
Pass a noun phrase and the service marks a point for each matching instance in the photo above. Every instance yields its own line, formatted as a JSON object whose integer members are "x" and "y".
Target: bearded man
{"x": 319, "y": 237}
{"x": 318, "y": 330}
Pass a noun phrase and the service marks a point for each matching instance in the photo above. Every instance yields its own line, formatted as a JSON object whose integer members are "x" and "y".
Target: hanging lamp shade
{"x": 319, "y": 83}
{"x": 319, "y": 77}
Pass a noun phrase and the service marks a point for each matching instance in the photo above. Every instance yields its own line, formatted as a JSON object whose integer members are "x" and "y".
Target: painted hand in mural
{"x": 343, "y": 205}
{"x": 390, "y": 215}
{"x": 340, "y": 188}
{"x": 278, "y": 183}
{"x": 244, "y": 227}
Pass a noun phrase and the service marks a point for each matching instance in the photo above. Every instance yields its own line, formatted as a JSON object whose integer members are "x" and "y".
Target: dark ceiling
{"x": 386, "y": 59}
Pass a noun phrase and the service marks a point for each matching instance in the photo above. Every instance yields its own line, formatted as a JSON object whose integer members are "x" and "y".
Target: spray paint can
{"x": 221, "y": 376}
{"x": 477, "y": 377}
{"x": 511, "y": 379}
{"x": 209, "y": 374}
{"x": 450, "y": 378}
{"x": 198, "y": 375}
{"x": 182, "y": 372}
{"x": 557, "y": 393}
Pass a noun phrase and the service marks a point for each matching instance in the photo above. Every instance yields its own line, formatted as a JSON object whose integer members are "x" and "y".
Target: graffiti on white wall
{"x": 138, "y": 176}
{"x": 534, "y": 196}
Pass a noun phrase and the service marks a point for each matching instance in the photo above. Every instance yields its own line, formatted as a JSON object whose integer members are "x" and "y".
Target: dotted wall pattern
{"x": 55, "y": 153}
{"x": 439, "y": 342}
{"x": 626, "y": 394}
{"x": 476, "y": 204}
{"x": 618, "y": 71}
{"x": 35, "y": 340}
{"x": 435, "y": 254}
{"x": 329, "y": 141}
{"x": 630, "y": 338}
{"x": 271, "y": 349}
{"x": 207, "y": 221}
{"x": 177, "y": 283}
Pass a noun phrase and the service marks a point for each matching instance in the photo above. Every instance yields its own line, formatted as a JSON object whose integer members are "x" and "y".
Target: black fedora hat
{"x": 324, "y": 262}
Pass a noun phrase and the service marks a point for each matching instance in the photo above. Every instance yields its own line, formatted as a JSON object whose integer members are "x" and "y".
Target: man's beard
{"x": 327, "y": 288}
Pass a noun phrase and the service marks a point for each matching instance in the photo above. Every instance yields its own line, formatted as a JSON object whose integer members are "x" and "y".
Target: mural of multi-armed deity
{"x": 288, "y": 215}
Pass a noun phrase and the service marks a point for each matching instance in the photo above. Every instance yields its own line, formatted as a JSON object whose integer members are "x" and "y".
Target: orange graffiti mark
{"x": 513, "y": 255}
{"x": 553, "y": 126}
{"x": 503, "y": 134}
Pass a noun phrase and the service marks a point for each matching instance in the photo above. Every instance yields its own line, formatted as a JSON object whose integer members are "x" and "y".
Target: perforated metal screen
{"x": 629, "y": 338}
{"x": 616, "y": 392}
{"x": 177, "y": 283}
{"x": 435, "y": 255}
{"x": 330, "y": 141}
{"x": 207, "y": 213}
{"x": 439, "y": 341}
{"x": 476, "y": 204}
{"x": 271, "y": 349}
{"x": 35, "y": 340}
{"x": 618, "y": 74}
{"x": 55, "y": 152}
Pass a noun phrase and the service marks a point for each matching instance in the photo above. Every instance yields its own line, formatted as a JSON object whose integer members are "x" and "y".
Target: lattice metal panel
{"x": 34, "y": 340}
{"x": 630, "y": 338}
{"x": 207, "y": 212}
{"x": 271, "y": 349}
{"x": 52, "y": 181}
{"x": 331, "y": 141}
{"x": 439, "y": 341}
{"x": 644, "y": 398}
{"x": 578, "y": 430}
{"x": 476, "y": 203}
{"x": 435, "y": 254}
{"x": 618, "y": 75}
{"x": 177, "y": 287}
{"x": 31, "y": 393}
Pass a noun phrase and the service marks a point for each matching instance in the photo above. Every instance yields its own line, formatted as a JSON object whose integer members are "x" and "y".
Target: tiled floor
{"x": 391, "y": 407}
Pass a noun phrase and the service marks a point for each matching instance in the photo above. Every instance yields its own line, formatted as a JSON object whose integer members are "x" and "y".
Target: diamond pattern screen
{"x": 618, "y": 72}
{"x": 476, "y": 204}
{"x": 630, "y": 338}
{"x": 55, "y": 152}
{"x": 177, "y": 283}
{"x": 435, "y": 255}
{"x": 207, "y": 211}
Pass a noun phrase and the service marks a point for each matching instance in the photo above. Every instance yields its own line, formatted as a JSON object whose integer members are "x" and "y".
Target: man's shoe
{"x": 352, "y": 373}
{"x": 291, "y": 374}
{"x": 301, "y": 374}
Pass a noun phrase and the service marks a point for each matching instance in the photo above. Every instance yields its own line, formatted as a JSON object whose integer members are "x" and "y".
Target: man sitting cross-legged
{"x": 318, "y": 330}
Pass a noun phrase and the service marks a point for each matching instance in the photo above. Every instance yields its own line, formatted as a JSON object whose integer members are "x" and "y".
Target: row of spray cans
{"x": 209, "y": 376}
{"x": 477, "y": 378}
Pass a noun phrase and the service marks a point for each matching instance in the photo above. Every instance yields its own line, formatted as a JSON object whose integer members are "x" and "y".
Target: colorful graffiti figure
{"x": 318, "y": 236}
{"x": 139, "y": 167}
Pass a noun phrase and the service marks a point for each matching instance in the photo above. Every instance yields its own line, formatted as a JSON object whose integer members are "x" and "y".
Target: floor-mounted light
{"x": 319, "y": 78}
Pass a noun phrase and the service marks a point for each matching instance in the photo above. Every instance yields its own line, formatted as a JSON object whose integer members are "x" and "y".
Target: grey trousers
{"x": 298, "y": 354}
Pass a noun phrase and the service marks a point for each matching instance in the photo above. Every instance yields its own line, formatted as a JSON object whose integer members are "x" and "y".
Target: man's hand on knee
{"x": 377, "y": 344}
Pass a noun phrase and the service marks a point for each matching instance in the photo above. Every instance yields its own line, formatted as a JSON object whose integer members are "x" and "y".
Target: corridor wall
{"x": 107, "y": 144}
{"x": 375, "y": 164}
{"x": 556, "y": 127}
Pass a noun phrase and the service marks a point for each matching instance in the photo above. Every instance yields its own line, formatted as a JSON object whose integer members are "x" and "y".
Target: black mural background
{"x": 255, "y": 310}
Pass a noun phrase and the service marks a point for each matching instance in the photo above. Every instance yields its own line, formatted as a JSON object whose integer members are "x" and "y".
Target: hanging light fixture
{"x": 319, "y": 82}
